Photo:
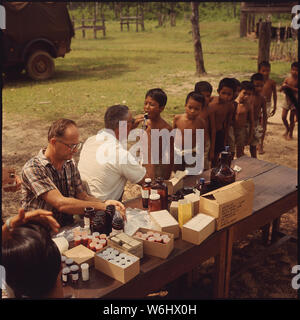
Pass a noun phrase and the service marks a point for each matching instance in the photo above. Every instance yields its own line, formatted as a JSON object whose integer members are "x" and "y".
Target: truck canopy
{"x": 30, "y": 20}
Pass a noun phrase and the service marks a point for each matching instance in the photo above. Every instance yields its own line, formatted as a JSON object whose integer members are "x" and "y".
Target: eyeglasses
{"x": 72, "y": 146}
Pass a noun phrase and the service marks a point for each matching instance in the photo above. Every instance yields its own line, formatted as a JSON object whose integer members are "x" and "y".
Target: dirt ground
{"x": 270, "y": 277}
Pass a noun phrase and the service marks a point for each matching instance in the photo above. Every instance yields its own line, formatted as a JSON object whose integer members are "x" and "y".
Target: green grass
{"x": 123, "y": 66}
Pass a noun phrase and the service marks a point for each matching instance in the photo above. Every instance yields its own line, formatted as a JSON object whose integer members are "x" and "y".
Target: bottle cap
{"x": 148, "y": 180}
{"x": 84, "y": 266}
{"x": 74, "y": 268}
{"x": 63, "y": 258}
{"x": 154, "y": 196}
{"x": 69, "y": 261}
{"x": 202, "y": 180}
{"x": 66, "y": 270}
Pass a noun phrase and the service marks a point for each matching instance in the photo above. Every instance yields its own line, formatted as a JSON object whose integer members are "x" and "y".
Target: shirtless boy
{"x": 243, "y": 114}
{"x": 290, "y": 88}
{"x": 259, "y": 112}
{"x": 205, "y": 89}
{"x": 223, "y": 108}
{"x": 269, "y": 89}
{"x": 190, "y": 120}
{"x": 155, "y": 102}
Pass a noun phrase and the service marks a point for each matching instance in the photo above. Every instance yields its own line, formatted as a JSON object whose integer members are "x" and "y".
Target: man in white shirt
{"x": 104, "y": 164}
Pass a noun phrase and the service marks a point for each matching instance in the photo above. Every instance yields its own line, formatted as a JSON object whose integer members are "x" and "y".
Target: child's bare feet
{"x": 261, "y": 149}
{"x": 288, "y": 137}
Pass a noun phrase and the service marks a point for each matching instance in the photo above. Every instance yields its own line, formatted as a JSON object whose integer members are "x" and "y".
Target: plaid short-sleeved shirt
{"x": 40, "y": 176}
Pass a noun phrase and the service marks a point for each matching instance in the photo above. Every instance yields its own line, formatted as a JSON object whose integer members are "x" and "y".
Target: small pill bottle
{"x": 84, "y": 240}
{"x": 65, "y": 276}
{"x": 154, "y": 202}
{"x": 85, "y": 272}
{"x": 69, "y": 262}
{"x": 96, "y": 235}
{"x": 77, "y": 241}
{"x": 74, "y": 273}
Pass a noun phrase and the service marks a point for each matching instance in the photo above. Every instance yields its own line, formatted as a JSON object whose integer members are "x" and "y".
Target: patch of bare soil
{"x": 269, "y": 277}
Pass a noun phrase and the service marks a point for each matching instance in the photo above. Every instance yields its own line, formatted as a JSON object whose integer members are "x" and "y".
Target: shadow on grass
{"x": 74, "y": 70}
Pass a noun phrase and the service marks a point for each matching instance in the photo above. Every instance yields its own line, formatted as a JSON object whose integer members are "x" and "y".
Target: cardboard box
{"x": 230, "y": 203}
{"x": 126, "y": 243}
{"x": 174, "y": 209}
{"x": 176, "y": 183}
{"x": 116, "y": 272}
{"x": 199, "y": 228}
{"x": 156, "y": 249}
{"x": 81, "y": 254}
{"x": 185, "y": 212}
{"x": 164, "y": 221}
{"x": 194, "y": 199}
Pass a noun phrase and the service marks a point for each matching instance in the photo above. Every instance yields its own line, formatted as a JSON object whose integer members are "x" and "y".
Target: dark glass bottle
{"x": 146, "y": 188}
{"x": 117, "y": 222}
{"x": 202, "y": 187}
{"x": 99, "y": 222}
{"x": 89, "y": 214}
{"x": 162, "y": 190}
{"x": 229, "y": 155}
{"x": 110, "y": 212}
{"x": 222, "y": 175}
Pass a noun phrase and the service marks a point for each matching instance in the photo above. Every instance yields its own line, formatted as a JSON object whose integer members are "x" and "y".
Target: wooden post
{"x": 94, "y": 28}
{"x": 253, "y": 23}
{"x": 243, "y": 22}
{"x": 83, "y": 30}
{"x": 264, "y": 42}
{"x": 249, "y": 18}
{"x": 73, "y": 22}
{"x": 196, "y": 37}
{"x": 95, "y": 20}
{"x": 142, "y": 16}
{"x": 137, "y": 18}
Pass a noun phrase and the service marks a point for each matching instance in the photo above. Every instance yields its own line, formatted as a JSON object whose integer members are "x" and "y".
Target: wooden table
{"x": 155, "y": 272}
{"x": 275, "y": 194}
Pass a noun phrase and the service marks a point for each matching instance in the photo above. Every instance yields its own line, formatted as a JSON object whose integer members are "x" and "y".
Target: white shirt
{"x": 106, "y": 166}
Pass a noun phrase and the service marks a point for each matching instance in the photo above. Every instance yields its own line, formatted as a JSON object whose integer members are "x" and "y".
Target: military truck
{"x": 36, "y": 33}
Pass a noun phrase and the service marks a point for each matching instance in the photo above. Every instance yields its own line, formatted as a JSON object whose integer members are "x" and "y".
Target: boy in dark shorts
{"x": 223, "y": 109}
{"x": 205, "y": 89}
{"x": 290, "y": 89}
{"x": 259, "y": 113}
{"x": 269, "y": 90}
{"x": 243, "y": 115}
{"x": 190, "y": 120}
{"x": 154, "y": 105}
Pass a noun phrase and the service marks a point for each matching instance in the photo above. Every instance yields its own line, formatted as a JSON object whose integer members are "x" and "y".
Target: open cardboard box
{"x": 176, "y": 183}
{"x": 81, "y": 254}
{"x": 198, "y": 228}
{"x": 230, "y": 203}
{"x": 136, "y": 245}
{"x": 116, "y": 272}
{"x": 156, "y": 249}
{"x": 164, "y": 221}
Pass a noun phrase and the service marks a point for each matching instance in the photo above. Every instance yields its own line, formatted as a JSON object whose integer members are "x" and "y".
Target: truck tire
{"x": 40, "y": 65}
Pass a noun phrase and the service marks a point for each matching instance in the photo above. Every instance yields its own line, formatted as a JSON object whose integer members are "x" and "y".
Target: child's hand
{"x": 137, "y": 120}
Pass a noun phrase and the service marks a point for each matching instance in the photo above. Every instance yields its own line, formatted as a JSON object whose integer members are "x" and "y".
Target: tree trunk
{"x": 264, "y": 42}
{"x": 196, "y": 37}
{"x": 243, "y": 22}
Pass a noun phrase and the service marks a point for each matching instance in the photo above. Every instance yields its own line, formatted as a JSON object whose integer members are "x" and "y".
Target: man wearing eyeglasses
{"x": 51, "y": 180}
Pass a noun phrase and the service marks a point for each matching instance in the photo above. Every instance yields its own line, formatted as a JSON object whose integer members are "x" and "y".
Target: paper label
{"x": 145, "y": 194}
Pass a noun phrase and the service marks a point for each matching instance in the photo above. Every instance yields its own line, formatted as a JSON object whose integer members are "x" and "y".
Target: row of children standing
{"x": 236, "y": 117}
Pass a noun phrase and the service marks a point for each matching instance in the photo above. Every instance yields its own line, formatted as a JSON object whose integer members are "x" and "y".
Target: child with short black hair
{"x": 243, "y": 114}
{"x": 269, "y": 90}
{"x": 223, "y": 109}
{"x": 154, "y": 105}
{"x": 259, "y": 113}
{"x": 190, "y": 120}
{"x": 290, "y": 89}
{"x": 205, "y": 89}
